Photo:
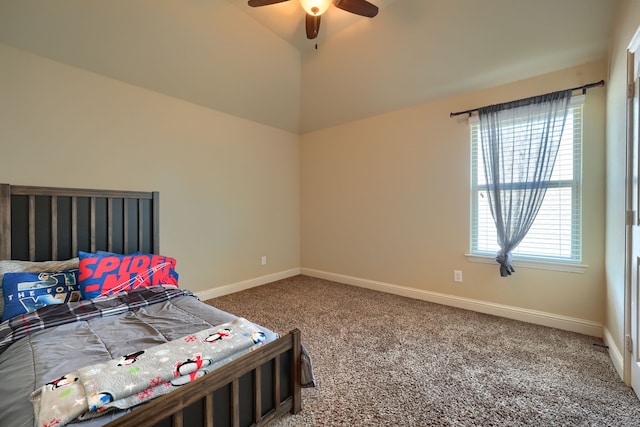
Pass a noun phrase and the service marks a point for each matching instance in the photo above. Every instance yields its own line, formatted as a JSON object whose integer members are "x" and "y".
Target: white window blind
{"x": 557, "y": 231}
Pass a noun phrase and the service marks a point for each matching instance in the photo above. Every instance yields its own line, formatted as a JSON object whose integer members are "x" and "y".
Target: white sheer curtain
{"x": 519, "y": 143}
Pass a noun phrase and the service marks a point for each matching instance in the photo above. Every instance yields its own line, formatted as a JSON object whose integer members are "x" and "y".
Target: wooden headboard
{"x": 47, "y": 223}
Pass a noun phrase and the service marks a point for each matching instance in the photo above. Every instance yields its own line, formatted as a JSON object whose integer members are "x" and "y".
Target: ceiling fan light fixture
{"x": 315, "y": 7}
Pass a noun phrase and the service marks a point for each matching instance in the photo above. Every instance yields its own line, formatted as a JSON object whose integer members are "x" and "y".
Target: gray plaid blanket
{"x": 59, "y": 314}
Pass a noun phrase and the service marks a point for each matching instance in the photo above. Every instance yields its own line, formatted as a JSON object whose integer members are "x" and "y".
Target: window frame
{"x": 523, "y": 260}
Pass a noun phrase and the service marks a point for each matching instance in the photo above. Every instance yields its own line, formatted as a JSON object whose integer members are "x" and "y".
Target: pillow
{"x": 27, "y": 292}
{"x": 11, "y": 266}
{"x": 104, "y": 273}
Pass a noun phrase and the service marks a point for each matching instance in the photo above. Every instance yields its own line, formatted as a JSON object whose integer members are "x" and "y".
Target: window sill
{"x": 540, "y": 265}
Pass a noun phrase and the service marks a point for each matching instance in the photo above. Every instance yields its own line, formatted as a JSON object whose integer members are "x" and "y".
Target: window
{"x": 555, "y": 236}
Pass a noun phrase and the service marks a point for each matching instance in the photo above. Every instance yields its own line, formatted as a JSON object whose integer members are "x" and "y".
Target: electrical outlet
{"x": 457, "y": 276}
{"x": 264, "y": 260}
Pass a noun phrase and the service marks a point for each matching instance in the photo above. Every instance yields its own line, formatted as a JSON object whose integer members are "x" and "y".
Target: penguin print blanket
{"x": 143, "y": 375}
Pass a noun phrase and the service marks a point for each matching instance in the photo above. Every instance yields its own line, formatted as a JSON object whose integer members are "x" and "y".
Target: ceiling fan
{"x": 315, "y": 8}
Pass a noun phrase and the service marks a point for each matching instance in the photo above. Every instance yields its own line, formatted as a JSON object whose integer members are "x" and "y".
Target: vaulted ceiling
{"x": 256, "y": 63}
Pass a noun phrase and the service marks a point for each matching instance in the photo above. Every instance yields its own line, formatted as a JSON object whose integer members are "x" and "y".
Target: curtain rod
{"x": 583, "y": 88}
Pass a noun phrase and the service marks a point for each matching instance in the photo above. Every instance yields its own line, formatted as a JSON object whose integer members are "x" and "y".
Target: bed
{"x": 253, "y": 385}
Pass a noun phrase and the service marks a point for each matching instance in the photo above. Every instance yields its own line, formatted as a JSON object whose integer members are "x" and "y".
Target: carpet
{"x": 386, "y": 360}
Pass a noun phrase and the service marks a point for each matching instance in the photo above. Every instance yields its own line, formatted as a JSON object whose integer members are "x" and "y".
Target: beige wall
{"x": 627, "y": 21}
{"x": 386, "y": 199}
{"x": 229, "y": 187}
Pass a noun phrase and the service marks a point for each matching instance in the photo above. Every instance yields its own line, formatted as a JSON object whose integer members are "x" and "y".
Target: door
{"x": 632, "y": 339}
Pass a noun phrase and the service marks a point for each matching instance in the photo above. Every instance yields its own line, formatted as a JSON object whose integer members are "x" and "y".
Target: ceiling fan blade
{"x": 312, "y": 22}
{"x": 359, "y": 7}
{"x": 258, "y": 3}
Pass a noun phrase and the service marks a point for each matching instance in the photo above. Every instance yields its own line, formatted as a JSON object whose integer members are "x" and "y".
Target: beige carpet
{"x": 385, "y": 360}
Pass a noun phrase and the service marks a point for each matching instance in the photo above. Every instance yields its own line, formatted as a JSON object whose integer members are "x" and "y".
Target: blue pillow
{"x": 27, "y": 292}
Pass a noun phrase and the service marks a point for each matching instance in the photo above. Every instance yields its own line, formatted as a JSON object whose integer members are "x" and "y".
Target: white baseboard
{"x": 246, "y": 284}
{"x": 566, "y": 323}
{"x": 586, "y": 327}
{"x": 614, "y": 352}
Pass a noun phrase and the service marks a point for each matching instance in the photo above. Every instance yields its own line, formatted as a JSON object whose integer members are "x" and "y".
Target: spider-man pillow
{"x": 106, "y": 273}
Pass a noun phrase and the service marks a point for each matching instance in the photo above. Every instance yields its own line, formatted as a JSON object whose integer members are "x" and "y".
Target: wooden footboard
{"x": 253, "y": 390}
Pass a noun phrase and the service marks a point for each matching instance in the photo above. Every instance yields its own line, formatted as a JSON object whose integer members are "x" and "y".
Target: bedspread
{"x": 43, "y": 346}
{"x": 141, "y": 376}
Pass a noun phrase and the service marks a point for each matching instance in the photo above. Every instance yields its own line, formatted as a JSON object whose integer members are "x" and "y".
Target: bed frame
{"x": 46, "y": 223}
